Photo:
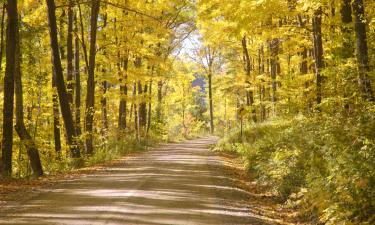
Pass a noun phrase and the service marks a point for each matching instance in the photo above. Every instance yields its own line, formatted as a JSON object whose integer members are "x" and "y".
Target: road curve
{"x": 174, "y": 184}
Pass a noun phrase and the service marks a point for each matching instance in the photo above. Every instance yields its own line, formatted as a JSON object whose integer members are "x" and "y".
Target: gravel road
{"x": 176, "y": 184}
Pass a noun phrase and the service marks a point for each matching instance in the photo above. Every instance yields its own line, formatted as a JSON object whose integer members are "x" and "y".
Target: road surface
{"x": 177, "y": 184}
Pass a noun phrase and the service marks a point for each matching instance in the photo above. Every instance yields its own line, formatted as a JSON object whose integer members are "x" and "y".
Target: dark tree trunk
{"x": 347, "y": 49}
{"x": 160, "y": 99}
{"x": 83, "y": 37}
{"x": 274, "y": 49}
{"x": 32, "y": 150}
{"x": 142, "y": 111}
{"x": 362, "y": 50}
{"x": 136, "y": 121}
{"x": 7, "y": 142}
{"x": 56, "y": 117}
{"x": 60, "y": 84}
{"x": 2, "y": 36}
{"x": 318, "y": 52}
{"x": 104, "y": 108}
{"x": 122, "y": 107}
{"x": 77, "y": 82}
{"x": 262, "y": 90}
{"x": 61, "y": 33}
{"x": 249, "y": 94}
{"x": 149, "y": 107}
{"x": 103, "y": 100}
{"x": 123, "y": 94}
{"x": 304, "y": 68}
{"x": 210, "y": 102}
{"x": 69, "y": 56}
{"x": 90, "y": 96}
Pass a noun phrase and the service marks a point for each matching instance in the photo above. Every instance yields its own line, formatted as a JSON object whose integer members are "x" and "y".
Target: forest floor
{"x": 180, "y": 183}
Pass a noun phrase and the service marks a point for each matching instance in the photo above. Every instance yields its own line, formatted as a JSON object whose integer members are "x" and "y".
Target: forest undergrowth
{"x": 321, "y": 165}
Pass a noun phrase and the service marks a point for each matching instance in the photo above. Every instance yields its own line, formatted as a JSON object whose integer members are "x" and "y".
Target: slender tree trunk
{"x": 131, "y": 113}
{"x": 90, "y": 96}
{"x": 60, "y": 84}
{"x": 32, "y": 150}
{"x": 362, "y": 50}
{"x": 136, "y": 120}
{"x": 149, "y": 107}
{"x": 142, "y": 111}
{"x": 69, "y": 56}
{"x": 123, "y": 103}
{"x": 56, "y": 117}
{"x": 274, "y": 50}
{"x": 77, "y": 82}
{"x": 2, "y": 36}
{"x": 104, "y": 108}
{"x": 61, "y": 33}
{"x": 318, "y": 52}
{"x": 249, "y": 94}
{"x": 103, "y": 100}
{"x": 210, "y": 102}
{"x": 347, "y": 49}
{"x": 160, "y": 99}
{"x": 83, "y": 36}
{"x": 122, "y": 107}
{"x": 11, "y": 40}
{"x": 262, "y": 90}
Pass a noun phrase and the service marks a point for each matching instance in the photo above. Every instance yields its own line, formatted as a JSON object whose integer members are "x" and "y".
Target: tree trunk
{"x": 61, "y": 33}
{"x": 136, "y": 120}
{"x": 104, "y": 108}
{"x": 7, "y": 142}
{"x": 123, "y": 95}
{"x": 69, "y": 56}
{"x": 262, "y": 90}
{"x": 274, "y": 49}
{"x": 60, "y": 84}
{"x": 90, "y": 96}
{"x": 249, "y": 93}
{"x": 160, "y": 99}
{"x": 142, "y": 111}
{"x": 362, "y": 50}
{"x": 149, "y": 108}
{"x": 56, "y": 117}
{"x": 318, "y": 52}
{"x": 83, "y": 37}
{"x": 2, "y": 36}
{"x": 210, "y": 102}
{"x": 26, "y": 140}
{"x": 103, "y": 100}
{"x": 77, "y": 82}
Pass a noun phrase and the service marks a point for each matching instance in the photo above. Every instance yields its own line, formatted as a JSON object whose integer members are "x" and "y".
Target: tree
{"x": 26, "y": 139}
{"x": 10, "y": 70}
{"x": 90, "y": 95}
{"x": 318, "y": 52}
{"x": 249, "y": 93}
{"x": 362, "y": 50}
{"x": 60, "y": 83}
{"x": 70, "y": 54}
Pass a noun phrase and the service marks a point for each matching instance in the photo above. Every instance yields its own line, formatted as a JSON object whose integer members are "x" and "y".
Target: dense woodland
{"x": 288, "y": 85}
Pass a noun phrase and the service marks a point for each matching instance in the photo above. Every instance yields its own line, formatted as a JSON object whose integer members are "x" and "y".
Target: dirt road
{"x": 176, "y": 184}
